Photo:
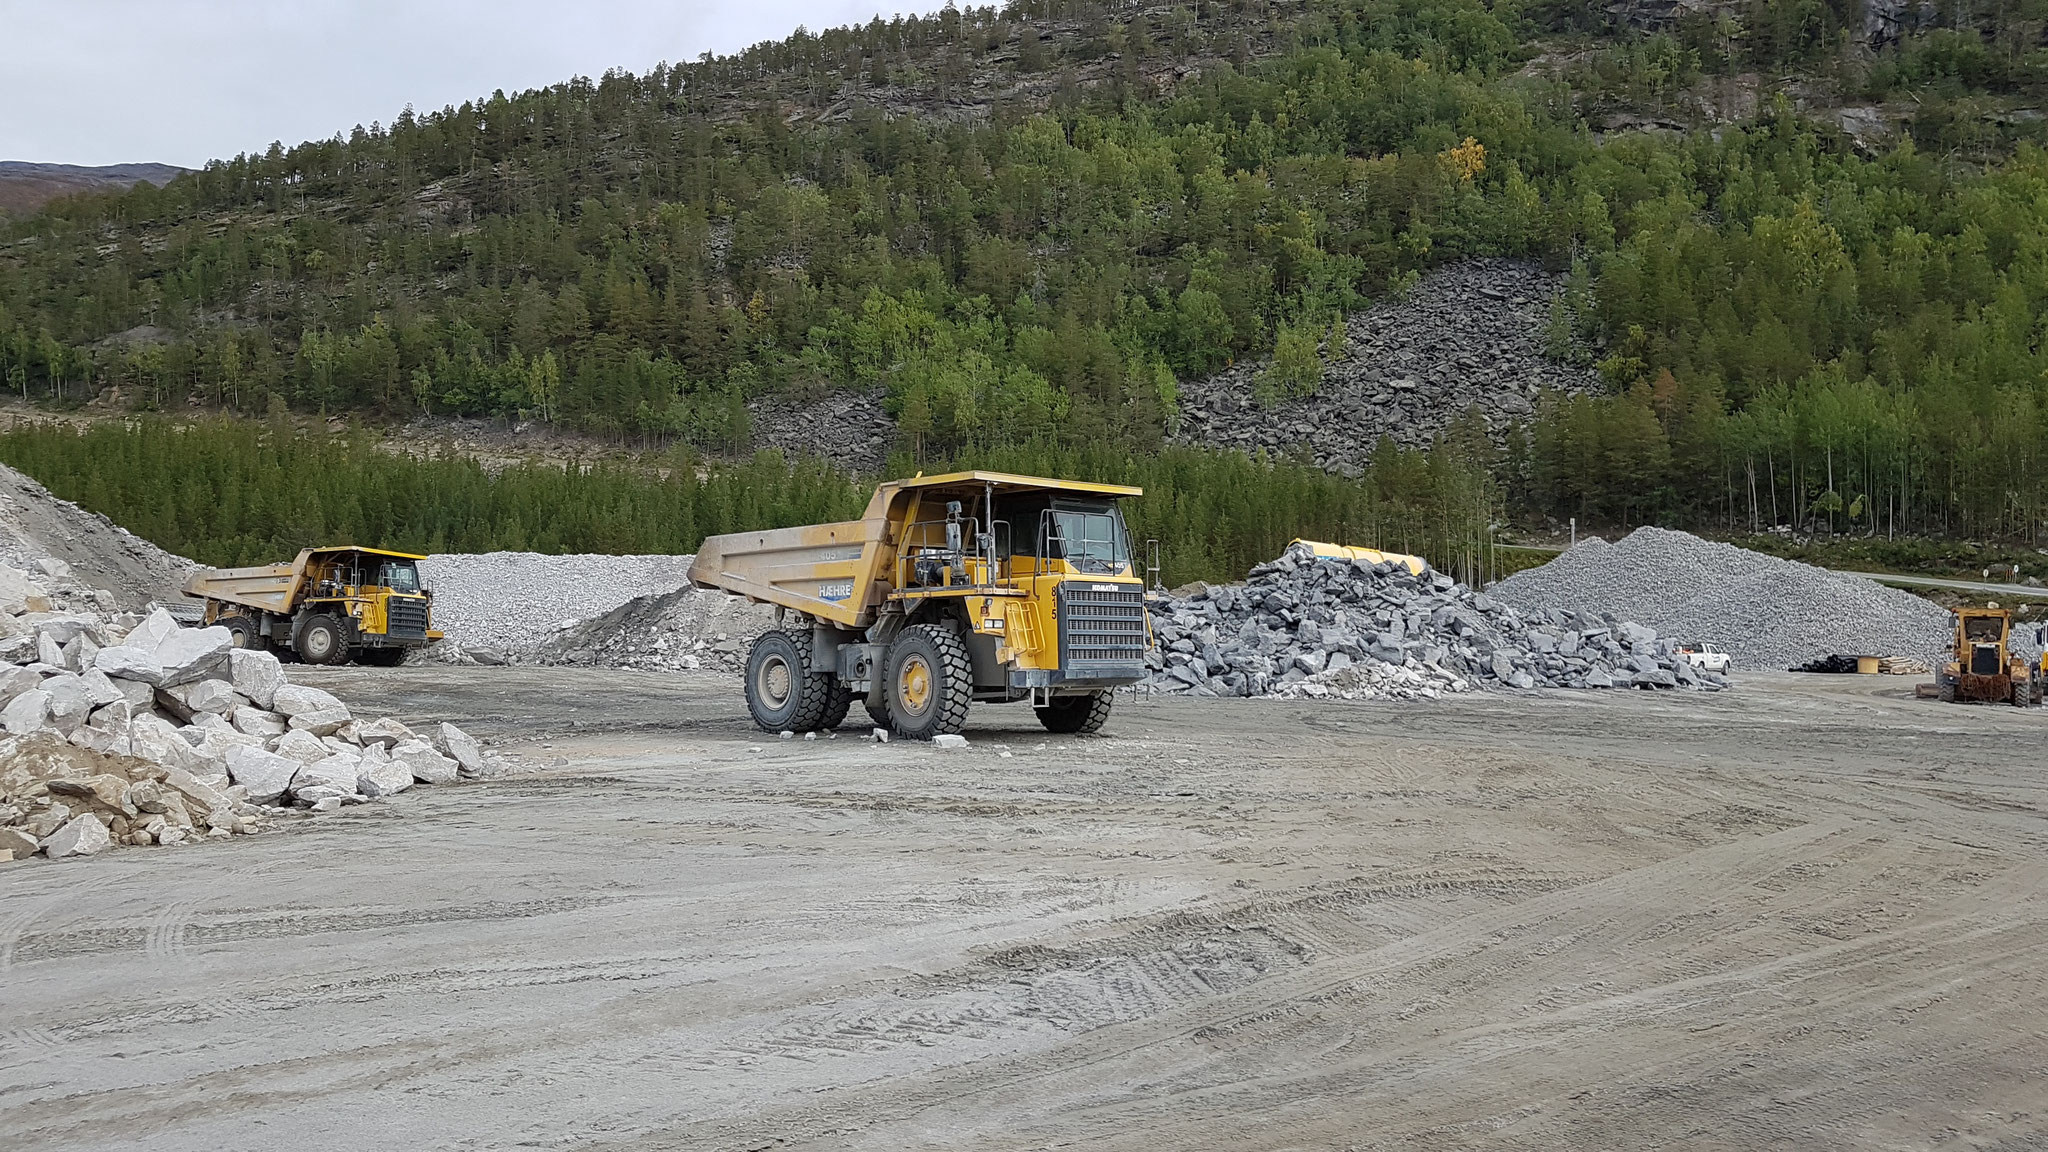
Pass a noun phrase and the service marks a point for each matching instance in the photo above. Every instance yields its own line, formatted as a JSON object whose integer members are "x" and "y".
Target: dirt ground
{"x": 1810, "y": 914}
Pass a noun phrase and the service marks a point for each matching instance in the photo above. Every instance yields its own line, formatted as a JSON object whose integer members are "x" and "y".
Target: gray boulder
{"x": 336, "y": 775}
{"x": 427, "y": 766}
{"x": 456, "y": 744}
{"x": 257, "y": 675}
{"x": 26, "y": 713}
{"x": 265, "y": 775}
{"x": 193, "y": 654}
{"x": 80, "y": 836}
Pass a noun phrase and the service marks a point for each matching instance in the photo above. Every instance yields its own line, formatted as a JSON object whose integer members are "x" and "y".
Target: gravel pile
{"x": 131, "y": 571}
{"x": 683, "y": 630}
{"x": 1467, "y": 334}
{"x": 1307, "y": 626}
{"x": 130, "y": 730}
{"x": 497, "y": 607}
{"x": 1765, "y": 612}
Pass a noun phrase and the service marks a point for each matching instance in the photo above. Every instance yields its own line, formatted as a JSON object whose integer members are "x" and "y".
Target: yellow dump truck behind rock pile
{"x": 329, "y": 606}
{"x": 972, "y": 586}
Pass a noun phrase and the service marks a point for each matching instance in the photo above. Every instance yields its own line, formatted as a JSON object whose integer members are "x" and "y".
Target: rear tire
{"x": 1071, "y": 714}
{"x": 322, "y": 641}
{"x": 381, "y": 657}
{"x": 835, "y": 712}
{"x": 930, "y": 682}
{"x": 783, "y": 694}
{"x": 241, "y": 631}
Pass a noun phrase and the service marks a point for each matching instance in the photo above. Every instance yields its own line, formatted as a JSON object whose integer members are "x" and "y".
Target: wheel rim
{"x": 773, "y": 681}
{"x": 319, "y": 643}
{"x": 914, "y": 684}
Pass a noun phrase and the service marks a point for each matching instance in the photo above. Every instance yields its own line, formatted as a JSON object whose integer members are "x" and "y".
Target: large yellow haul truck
{"x": 951, "y": 589}
{"x": 328, "y": 606}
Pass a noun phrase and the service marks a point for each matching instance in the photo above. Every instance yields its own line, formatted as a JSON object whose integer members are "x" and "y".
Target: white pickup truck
{"x": 1705, "y": 657}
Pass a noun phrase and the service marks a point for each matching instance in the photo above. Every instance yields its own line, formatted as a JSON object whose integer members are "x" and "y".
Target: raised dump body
{"x": 328, "y": 606}
{"x": 968, "y": 586}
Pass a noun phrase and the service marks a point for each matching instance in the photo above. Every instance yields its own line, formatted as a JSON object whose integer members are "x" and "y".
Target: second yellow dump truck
{"x": 329, "y": 606}
{"x": 971, "y": 586}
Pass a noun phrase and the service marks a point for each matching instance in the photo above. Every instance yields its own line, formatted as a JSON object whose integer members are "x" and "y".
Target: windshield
{"x": 401, "y": 577}
{"x": 1092, "y": 541}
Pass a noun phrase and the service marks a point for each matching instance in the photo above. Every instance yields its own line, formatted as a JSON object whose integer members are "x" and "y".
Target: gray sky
{"x": 186, "y": 81}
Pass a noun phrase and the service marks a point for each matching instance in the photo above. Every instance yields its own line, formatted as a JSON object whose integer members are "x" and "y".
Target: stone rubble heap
{"x": 497, "y": 607}
{"x": 131, "y": 730}
{"x": 1467, "y": 334}
{"x": 684, "y": 630}
{"x": 1310, "y": 626}
{"x": 1766, "y": 612}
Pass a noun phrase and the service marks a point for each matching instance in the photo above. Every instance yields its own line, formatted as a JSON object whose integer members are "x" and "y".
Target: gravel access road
{"x": 1811, "y": 913}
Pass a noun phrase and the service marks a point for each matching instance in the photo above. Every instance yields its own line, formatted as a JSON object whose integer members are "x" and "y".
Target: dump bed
{"x": 270, "y": 587}
{"x": 835, "y": 572}
{"x": 843, "y": 572}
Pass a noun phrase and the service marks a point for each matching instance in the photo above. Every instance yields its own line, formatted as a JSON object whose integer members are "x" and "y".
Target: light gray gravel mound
{"x": 1766, "y": 612}
{"x": 505, "y": 603}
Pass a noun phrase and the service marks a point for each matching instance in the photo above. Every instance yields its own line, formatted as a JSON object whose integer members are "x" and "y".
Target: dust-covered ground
{"x": 1812, "y": 913}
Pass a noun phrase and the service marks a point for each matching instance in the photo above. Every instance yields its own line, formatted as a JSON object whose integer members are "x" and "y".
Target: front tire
{"x": 929, "y": 684}
{"x": 1072, "y": 714}
{"x": 322, "y": 641}
{"x": 783, "y": 694}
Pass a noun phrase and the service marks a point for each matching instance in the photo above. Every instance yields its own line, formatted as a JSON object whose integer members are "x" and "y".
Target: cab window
{"x": 401, "y": 576}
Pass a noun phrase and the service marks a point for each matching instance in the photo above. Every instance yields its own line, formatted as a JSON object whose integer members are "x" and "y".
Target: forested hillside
{"x": 1027, "y": 226}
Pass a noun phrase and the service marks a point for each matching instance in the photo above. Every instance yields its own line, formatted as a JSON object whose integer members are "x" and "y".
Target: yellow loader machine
{"x": 951, "y": 589}
{"x": 1984, "y": 669}
{"x": 328, "y": 606}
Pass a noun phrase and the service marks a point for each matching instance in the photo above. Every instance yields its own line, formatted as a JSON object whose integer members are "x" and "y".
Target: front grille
{"x": 1101, "y": 631}
{"x": 1984, "y": 660}
{"x": 408, "y": 618}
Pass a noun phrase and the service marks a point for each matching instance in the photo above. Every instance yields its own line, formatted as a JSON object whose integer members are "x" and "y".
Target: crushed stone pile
{"x": 684, "y": 630}
{"x": 1765, "y": 612}
{"x": 1466, "y": 334}
{"x": 121, "y": 729}
{"x": 35, "y": 526}
{"x": 1311, "y": 626}
{"x": 498, "y": 607}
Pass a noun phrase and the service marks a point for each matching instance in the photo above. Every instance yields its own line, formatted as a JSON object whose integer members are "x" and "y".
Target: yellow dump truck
{"x": 328, "y": 606}
{"x": 951, "y": 589}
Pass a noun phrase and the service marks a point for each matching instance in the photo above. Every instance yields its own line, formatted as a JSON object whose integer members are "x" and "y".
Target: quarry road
{"x": 1812, "y": 913}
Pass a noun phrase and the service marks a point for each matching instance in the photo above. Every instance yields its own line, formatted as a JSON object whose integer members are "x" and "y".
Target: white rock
{"x": 81, "y": 836}
{"x": 107, "y": 741}
{"x": 26, "y": 713}
{"x": 49, "y": 651}
{"x": 327, "y": 803}
{"x": 385, "y": 731}
{"x": 52, "y": 567}
{"x": 337, "y": 774}
{"x": 881, "y": 735}
{"x": 257, "y": 675}
{"x": 297, "y": 699}
{"x": 427, "y": 765}
{"x": 265, "y": 774}
{"x": 256, "y": 722}
{"x": 193, "y": 654}
{"x": 455, "y": 744}
{"x": 141, "y": 695}
{"x": 14, "y": 681}
{"x": 188, "y": 700}
{"x": 950, "y": 740}
{"x": 69, "y": 704}
{"x": 324, "y": 722}
{"x": 382, "y": 776}
{"x": 159, "y": 743}
{"x": 301, "y": 746}
{"x": 100, "y": 689}
{"x": 155, "y": 628}
{"x": 129, "y": 662}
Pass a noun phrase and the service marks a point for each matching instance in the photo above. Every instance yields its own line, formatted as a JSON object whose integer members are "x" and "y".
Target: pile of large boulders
{"x": 126, "y": 729}
{"x": 1305, "y": 626}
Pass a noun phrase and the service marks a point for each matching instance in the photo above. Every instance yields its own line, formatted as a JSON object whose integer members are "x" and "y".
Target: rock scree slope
{"x": 35, "y": 525}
